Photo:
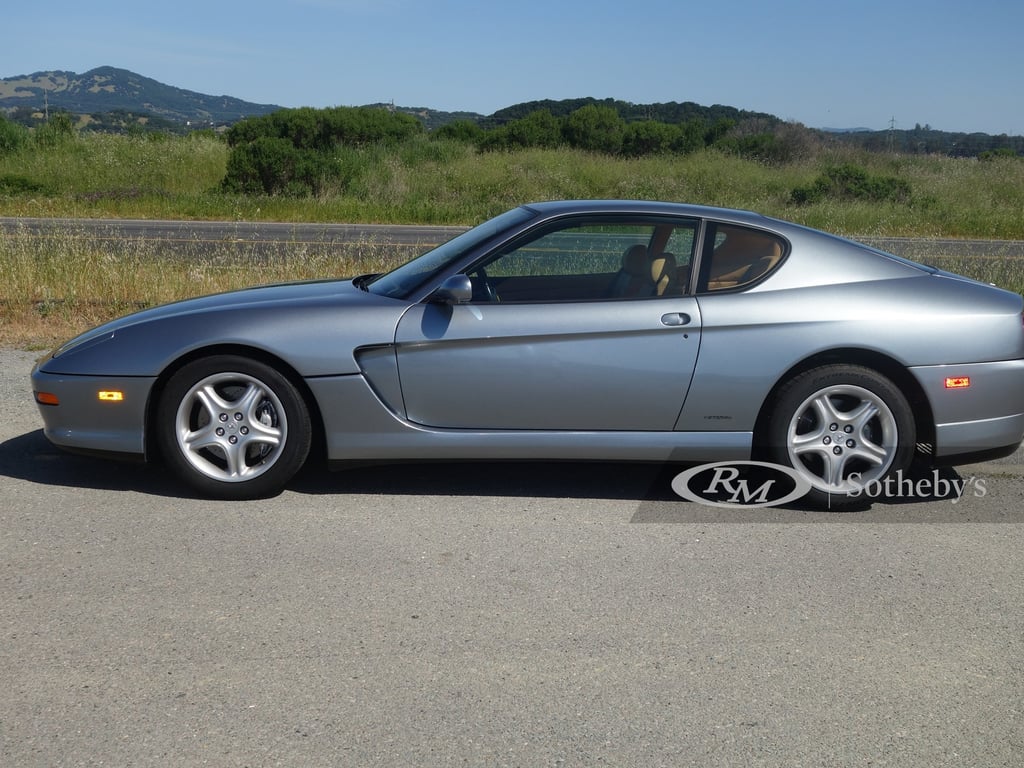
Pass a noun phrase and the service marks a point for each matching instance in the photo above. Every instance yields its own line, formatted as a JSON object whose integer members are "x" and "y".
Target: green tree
{"x": 596, "y": 128}
{"x": 460, "y": 130}
{"x": 537, "y": 129}
{"x": 692, "y": 136}
{"x": 323, "y": 129}
{"x": 650, "y": 138}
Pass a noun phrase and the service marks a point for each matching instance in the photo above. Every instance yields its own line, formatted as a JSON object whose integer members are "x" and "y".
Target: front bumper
{"x": 83, "y": 422}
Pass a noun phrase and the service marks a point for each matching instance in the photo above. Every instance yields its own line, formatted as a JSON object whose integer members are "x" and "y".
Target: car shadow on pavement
{"x": 32, "y": 458}
{"x": 549, "y": 479}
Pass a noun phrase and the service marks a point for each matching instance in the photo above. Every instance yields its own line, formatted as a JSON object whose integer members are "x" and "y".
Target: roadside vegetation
{"x": 360, "y": 165}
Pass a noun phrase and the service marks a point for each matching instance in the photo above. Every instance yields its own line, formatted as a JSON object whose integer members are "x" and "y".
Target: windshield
{"x": 399, "y": 282}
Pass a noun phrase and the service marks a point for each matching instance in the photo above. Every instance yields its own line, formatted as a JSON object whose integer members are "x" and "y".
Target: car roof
{"x": 649, "y": 207}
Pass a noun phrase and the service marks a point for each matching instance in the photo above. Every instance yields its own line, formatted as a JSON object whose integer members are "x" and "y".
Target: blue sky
{"x": 952, "y": 65}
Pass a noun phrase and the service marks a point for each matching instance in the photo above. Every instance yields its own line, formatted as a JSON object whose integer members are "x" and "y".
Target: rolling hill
{"x": 115, "y": 100}
{"x": 108, "y": 89}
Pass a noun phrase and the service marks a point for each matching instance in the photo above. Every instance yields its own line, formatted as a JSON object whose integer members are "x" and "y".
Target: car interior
{"x": 602, "y": 261}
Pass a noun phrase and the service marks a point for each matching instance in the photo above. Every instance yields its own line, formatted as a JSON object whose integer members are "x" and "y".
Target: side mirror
{"x": 456, "y": 289}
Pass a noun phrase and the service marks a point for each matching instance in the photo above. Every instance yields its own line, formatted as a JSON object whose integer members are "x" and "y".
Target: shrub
{"x": 274, "y": 166}
{"x": 850, "y": 182}
{"x": 650, "y": 138}
{"x": 11, "y": 184}
{"x": 323, "y": 129}
{"x": 692, "y": 136}
{"x": 993, "y": 154}
{"x": 538, "y": 129}
{"x": 460, "y": 130}
{"x": 769, "y": 141}
{"x": 760, "y": 146}
{"x": 12, "y": 136}
{"x": 290, "y": 151}
{"x": 59, "y": 129}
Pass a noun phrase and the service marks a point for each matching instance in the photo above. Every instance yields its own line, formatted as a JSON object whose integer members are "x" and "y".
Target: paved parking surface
{"x": 516, "y": 615}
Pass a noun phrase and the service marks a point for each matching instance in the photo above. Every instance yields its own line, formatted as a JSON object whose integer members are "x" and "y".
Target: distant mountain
{"x": 108, "y": 89}
{"x": 117, "y": 100}
{"x": 123, "y": 97}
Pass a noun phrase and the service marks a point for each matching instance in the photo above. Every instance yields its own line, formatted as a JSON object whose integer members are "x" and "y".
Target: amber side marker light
{"x": 958, "y": 382}
{"x": 47, "y": 398}
{"x": 111, "y": 395}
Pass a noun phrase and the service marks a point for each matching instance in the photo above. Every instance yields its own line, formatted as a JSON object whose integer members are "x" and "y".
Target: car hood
{"x": 313, "y": 326}
{"x": 338, "y": 291}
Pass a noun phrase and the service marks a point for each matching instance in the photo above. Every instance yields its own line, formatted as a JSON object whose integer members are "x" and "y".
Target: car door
{"x": 582, "y": 327}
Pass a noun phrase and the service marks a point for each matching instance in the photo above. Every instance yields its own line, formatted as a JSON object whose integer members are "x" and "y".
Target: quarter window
{"x": 739, "y": 256}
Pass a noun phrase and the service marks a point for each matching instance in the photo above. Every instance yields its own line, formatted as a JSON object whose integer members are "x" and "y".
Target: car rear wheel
{"x": 233, "y": 428}
{"x": 844, "y": 429}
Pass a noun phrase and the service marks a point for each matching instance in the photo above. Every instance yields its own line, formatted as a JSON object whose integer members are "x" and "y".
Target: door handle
{"x": 675, "y": 319}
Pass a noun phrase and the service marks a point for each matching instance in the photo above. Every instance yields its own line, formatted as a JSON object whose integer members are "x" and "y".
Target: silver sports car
{"x": 587, "y": 330}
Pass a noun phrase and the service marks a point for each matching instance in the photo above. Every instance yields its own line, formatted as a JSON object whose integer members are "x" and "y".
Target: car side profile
{"x": 575, "y": 330}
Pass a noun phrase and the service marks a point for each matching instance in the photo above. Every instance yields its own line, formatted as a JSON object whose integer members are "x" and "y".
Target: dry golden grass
{"x": 57, "y": 286}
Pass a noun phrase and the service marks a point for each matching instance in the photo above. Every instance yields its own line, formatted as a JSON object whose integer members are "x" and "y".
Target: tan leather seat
{"x": 742, "y": 257}
{"x": 665, "y": 275}
{"x": 634, "y": 277}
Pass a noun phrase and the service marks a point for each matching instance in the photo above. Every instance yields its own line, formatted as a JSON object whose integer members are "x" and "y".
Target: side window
{"x": 590, "y": 261}
{"x": 738, "y": 256}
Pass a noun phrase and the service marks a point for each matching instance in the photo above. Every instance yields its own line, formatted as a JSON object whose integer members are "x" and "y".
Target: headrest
{"x": 634, "y": 261}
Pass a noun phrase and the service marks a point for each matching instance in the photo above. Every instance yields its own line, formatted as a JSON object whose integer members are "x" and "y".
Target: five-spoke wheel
{"x": 233, "y": 427}
{"x": 844, "y": 428}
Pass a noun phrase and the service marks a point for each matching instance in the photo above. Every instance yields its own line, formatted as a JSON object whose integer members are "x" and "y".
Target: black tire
{"x": 845, "y": 429}
{"x": 232, "y": 428}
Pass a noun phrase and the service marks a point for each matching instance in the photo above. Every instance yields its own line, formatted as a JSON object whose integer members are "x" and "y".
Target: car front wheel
{"x": 233, "y": 428}
{"x": 844, "y": 429}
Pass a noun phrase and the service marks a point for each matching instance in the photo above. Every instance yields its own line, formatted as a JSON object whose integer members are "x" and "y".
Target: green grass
{"x": 444, "y": 182}
{"x": 55, "y": 287}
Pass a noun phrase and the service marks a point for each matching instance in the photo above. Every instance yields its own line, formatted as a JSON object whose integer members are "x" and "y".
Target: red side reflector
{"x": 958, "y": 382}
{"x": 47, "y": 398}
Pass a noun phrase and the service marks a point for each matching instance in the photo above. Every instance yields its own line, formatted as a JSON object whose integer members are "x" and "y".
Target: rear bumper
{"x": 987, "y": 416}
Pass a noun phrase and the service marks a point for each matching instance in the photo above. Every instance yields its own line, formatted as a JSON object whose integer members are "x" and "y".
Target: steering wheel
{"x": 485, "y": 286}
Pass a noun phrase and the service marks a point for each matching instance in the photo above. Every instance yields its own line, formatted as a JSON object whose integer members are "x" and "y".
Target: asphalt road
{"x": 268, "y": 238}
{"x": 516, "y": 615}
{"x": 248, "y": 239}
